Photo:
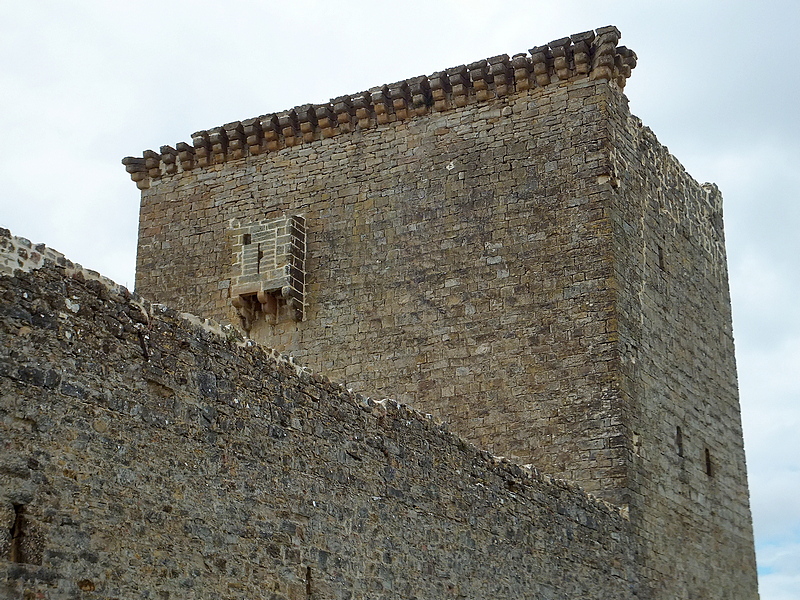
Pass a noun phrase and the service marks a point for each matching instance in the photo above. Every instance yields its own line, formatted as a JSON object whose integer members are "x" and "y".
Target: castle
{"x": 500, "y": 245}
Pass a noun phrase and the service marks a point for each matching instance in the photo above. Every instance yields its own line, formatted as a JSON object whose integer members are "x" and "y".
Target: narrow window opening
{"x": 15, "y": 553}
{"x": 709, "y": 469}
{"x": 661, "y": 264}
{"x": 308, "y": 582}
{"x": 259, "y": 257}
{"x": 679, "y": 441}
{"x": 247, "y": 239}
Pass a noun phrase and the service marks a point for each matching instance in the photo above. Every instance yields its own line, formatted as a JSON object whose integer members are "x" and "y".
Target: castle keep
{"x": 501, "y": 245}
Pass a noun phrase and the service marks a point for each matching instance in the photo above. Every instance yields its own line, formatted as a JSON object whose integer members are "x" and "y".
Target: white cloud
{"x": 779, "y": 568}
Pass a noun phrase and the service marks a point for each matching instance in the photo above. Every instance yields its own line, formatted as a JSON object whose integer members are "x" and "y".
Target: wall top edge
{"x": 590, "y": 54}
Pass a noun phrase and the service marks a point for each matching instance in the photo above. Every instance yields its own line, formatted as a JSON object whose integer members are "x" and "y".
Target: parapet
{"x": 591, "y": 54}
{"x": 20, "y": 254}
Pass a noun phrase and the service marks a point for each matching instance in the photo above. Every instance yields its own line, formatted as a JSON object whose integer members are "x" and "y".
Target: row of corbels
{"x": 591, "y": 54}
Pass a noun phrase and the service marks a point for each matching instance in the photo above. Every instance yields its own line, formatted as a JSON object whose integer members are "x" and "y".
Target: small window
{"x": 679, "y": 441}
{"x": 16, "y": 553}
{"x": 709, "y": 466}
{"x": 637, "y": 444}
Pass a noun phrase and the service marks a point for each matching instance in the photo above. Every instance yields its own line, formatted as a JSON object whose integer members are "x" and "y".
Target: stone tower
{"x": 503, "y": 245}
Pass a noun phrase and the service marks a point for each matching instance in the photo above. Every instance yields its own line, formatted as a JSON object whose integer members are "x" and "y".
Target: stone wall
{"x": 148, "y": 454}
{"x": 688, "y": 476}
{"x": 503, "y": 245}
{"x": 458, "y": 260}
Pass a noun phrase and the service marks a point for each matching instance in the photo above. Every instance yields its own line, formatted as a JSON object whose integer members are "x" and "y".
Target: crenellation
{"x": 500, "y": 72}
{"x": 235, "y": 139}
{"x": 289, "y": 128}
{"x": 253, "y": 135}
{"x": 169, "y": 157}
{"x": 562, "y": 52}
{"x": 218, "y": 140}
{"x": 362, "y": 104}
{"x": 541, "y": 59}
{"x": 481, "y": 81}
{"x": 421, "y": 97}
{"x": 604, "y": 59}
{"x": 152, "y": 163}
{"x": 138, "y": 171}
{"x": 186, "y": 156}
{"x": 440, "y": 87}
{"x": 625, "y": 62}
{"x": 345, "y": 113}
{"x": 306, "y": 122}
{"x": 326, "y": 119}
{"x": 202, "y": 148}
{"x": 582, "y": 44}
{"x": 400, "y": 96}
{"x": 459, "y": 85}
{"x": 381, "y": 105}
{"x": 522, "y": 71}
{"x": 271, "y": 129}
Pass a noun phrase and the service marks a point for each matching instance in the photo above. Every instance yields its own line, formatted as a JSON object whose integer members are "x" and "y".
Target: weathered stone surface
{"x": 174, "y": 460}
{"x": 500, "y": 244}
{"x": 449, "y": 274}
{"x": 599, "y": 57}
{"x": 528, "y": 264}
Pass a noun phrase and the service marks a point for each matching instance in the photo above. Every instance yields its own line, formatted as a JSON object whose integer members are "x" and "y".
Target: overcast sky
{"x": 85, "y": 82}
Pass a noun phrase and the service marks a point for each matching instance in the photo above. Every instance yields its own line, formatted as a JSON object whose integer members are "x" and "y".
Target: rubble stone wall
{"x": 146, "y": 454}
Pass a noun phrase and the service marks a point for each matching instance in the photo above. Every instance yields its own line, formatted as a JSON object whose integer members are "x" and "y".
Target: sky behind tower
{"x": 86, "y": 82}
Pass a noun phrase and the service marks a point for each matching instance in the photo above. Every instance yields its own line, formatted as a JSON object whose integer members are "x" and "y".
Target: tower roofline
{"x": 591, "y": 54}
